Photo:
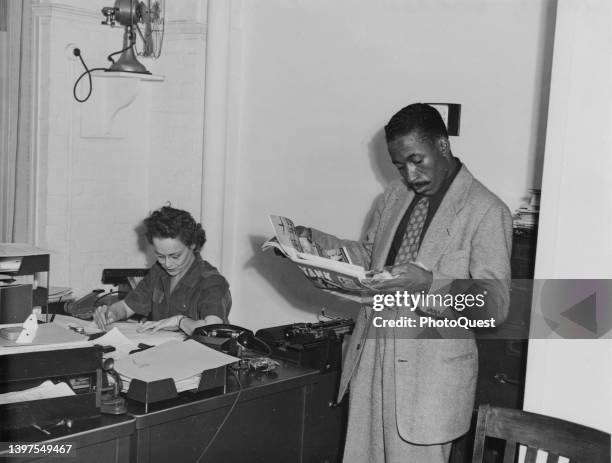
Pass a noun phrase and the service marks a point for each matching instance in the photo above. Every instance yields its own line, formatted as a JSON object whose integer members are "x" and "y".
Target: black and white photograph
{"x": 311, "y": 231}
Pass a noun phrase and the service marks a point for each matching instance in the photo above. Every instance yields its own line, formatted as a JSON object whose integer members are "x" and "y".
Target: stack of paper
{"x": 9, "y": 264}
{"x": 181, "y": 361}
{"x": 46, "y": 390}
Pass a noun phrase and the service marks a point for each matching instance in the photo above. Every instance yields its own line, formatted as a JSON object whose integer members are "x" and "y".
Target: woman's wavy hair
{"x": 168, "y": 222}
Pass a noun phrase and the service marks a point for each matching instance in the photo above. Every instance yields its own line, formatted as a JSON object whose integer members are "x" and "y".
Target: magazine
{"x": 329, "y": 269}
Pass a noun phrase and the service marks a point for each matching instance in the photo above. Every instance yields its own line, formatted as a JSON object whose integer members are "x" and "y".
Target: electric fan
{"x": 130, "y": 14}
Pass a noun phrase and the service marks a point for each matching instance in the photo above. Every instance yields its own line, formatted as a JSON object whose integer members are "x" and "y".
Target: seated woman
{"x": 181, "y": 291}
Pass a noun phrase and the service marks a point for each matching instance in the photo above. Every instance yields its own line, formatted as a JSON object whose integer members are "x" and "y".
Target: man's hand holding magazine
{"x": 330, "y": 268}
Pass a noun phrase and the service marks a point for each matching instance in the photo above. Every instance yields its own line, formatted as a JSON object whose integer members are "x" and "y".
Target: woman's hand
{"x": 179, "y": 323}
{"x": 169, "y": 324}
{"x": 104, "y": 316}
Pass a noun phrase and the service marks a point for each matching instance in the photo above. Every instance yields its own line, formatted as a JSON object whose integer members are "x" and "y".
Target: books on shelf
{"x": 526, "y": 216}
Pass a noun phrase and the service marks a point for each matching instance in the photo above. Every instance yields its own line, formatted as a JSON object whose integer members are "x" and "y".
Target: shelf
{"x": 32, "y": 261}
{"x": 29, "y": 265}
{"x": 129, "y": 75}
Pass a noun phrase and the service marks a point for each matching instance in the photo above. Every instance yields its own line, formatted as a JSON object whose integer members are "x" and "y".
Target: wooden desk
{"x": 283, "y": 416}
{"x": 103, "y": 439}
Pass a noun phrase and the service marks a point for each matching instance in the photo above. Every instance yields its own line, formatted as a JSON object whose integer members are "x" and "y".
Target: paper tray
{"x": 164, "y": 389}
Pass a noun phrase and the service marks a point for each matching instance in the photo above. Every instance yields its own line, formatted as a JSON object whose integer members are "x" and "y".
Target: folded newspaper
{"x": 326, "y": 268}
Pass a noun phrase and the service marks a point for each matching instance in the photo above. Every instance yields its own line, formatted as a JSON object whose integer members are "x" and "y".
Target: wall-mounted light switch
{"x": 451, "y": 115}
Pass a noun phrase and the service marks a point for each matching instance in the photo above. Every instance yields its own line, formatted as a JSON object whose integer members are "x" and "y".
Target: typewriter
{"x": 315, "y": 345}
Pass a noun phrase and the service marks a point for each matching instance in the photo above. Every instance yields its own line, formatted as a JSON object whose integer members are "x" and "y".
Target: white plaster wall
{"x": 319, "y": 80}
{"x": 177, "y": 117}
{"x": 96, "y": 185}
{"x": 572, "y": 379}
{"x": 89, "y": 189}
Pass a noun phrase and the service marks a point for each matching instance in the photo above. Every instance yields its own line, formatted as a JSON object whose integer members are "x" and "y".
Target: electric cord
{"x": 77, "y": 52}
{"x": 227, "y": 415}
{"x": 249, "y": 341}
{"x": 110, "y": 57}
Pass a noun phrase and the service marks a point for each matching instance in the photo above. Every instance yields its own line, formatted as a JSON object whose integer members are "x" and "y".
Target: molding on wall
{"x": 58, "y": 10}
{"x": 233, "y": 137}
{"x": 221, "y": 130}
{"x": 43, "y": 16}
{"x": 173, "y": 28}
{"x": 9, "y": 100}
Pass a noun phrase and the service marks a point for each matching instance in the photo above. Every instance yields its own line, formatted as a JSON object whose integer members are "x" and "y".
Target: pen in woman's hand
{"x": 99, "y": 316}
{"x": 104, "y": 316}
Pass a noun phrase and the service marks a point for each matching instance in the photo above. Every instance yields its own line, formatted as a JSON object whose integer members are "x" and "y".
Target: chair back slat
{"x": 479, "y": 440}
{"x": 509, "y": 452}
{"x": 531, "y": 455}
{"x": 578, "y": 443}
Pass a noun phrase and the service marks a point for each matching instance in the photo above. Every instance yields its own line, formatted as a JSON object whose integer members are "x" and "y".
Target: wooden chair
{"x": 538, "y": 432}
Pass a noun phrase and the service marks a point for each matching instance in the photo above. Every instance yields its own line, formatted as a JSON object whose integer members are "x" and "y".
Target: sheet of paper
{"x": 46, "y": 390}
{"x": 67, "y": 321}
{"x": 187, "y": 384}
{"x": 174, "y": 359}
{"x": 9, "y": 264}
{"x": 115, "y": 338}
{"x": 49, "y": 336}
{"x": 130, "y": 330}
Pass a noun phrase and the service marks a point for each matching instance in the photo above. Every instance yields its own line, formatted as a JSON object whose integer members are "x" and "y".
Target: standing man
{"x": 412, "y": 392}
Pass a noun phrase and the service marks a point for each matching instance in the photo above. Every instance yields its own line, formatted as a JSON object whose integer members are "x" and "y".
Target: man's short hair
{"x": 418, "y": 117}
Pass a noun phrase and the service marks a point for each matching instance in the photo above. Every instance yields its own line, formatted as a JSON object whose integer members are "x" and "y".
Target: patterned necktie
{"x": 412, "y": 238}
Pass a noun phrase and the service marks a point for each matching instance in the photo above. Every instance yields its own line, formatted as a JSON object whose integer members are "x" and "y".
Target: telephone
{"x": 231, "y": 339}
{"x": 123, "y": 279}
{"x": 85, "y": 306}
